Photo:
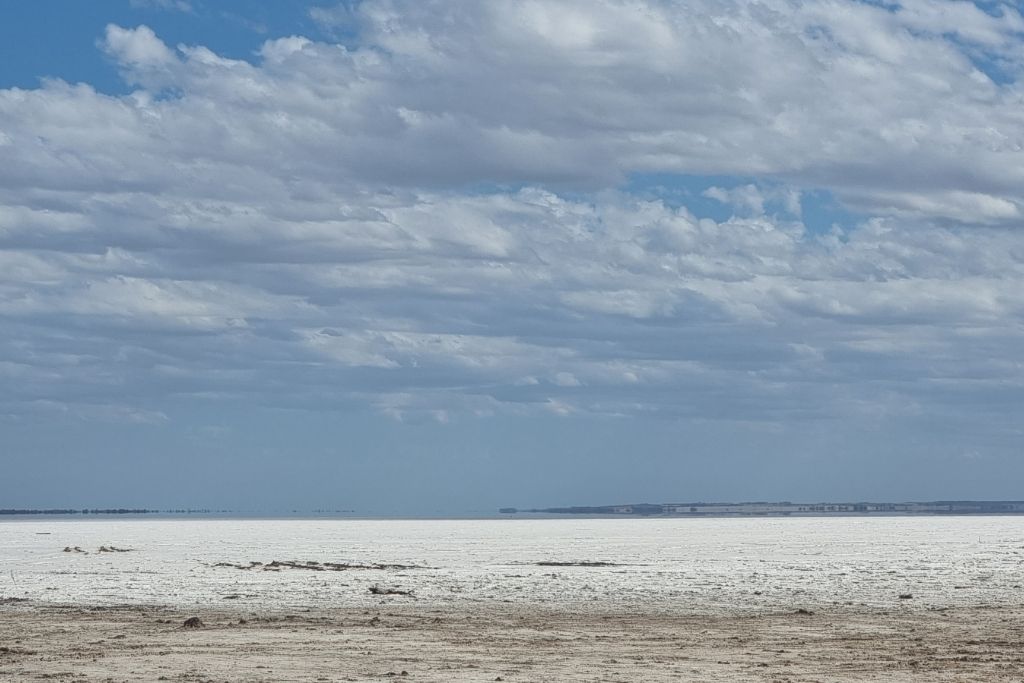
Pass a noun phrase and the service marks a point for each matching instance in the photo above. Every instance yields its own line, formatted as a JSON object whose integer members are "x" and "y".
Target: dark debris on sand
{"x": 378, "y": 590}
{"x": 310, "y": 565}
{"x": 12, "y": 601}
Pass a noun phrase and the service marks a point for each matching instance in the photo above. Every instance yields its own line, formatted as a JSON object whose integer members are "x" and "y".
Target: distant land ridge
{"x": 785, "y": 508}
{"x": 93, "y": 511}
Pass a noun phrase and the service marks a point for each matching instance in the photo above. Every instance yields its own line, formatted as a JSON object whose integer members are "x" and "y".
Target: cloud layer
{"x": 429, "y": 220}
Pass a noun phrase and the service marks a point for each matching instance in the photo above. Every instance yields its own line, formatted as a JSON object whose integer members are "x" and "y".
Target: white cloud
{"x": 589, "y": 295}
{"x": 887, "y": 108}
{"x": 566, "y": 379}
{"x": 425, "y": 221}
{"x": 137, "y": 48}
{"x": 746, "y": 198}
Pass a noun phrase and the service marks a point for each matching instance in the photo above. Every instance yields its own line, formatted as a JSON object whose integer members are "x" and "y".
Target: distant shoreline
{"x": 81, "y": 511}
{"x": 635, "y": 510}
{"x": 785, "y": 509}
{"x": 96, "y": 511}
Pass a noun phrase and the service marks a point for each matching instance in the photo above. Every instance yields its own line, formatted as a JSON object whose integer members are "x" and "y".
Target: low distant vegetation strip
{"x": 965, "y": 507}
{"x": 82, "y": 511}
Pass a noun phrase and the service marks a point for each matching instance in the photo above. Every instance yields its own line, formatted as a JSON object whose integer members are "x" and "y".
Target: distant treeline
{"x": 83, "y": 511}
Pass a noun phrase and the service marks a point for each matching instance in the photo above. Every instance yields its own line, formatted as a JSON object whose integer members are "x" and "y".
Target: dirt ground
{"x": 507, "y": 643}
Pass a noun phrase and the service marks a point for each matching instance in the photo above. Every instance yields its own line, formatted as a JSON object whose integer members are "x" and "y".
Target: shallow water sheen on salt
{"x": 672, "y": 564}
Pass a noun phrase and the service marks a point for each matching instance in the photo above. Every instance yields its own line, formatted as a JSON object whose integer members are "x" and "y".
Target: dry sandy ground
{"x": 508, "y": 643}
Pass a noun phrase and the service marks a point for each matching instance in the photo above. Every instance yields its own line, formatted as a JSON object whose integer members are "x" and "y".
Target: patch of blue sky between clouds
{"x": 706, "y": 196}
{"x": 59, "y": 39}
{"x": 999, "y": 70}
{"x": 822, "y": 213}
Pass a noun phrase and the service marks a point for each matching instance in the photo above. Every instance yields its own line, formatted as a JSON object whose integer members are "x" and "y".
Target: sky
{"x": 437, "y": 257}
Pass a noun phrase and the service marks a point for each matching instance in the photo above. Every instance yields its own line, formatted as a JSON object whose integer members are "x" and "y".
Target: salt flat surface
{"x": 695, "y": 565}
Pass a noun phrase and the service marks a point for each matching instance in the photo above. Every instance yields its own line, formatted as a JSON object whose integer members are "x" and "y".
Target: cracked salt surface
{"x": 671, "y": 565}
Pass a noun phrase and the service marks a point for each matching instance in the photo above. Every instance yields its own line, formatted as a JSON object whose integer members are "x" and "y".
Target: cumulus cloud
{"x": 428, "y": 220}
{"x": 889, "y": 107}
{"x": 139, "y": 52}
{"x": 587, "y": 307}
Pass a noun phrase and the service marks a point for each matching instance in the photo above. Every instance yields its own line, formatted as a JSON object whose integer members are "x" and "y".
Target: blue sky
{"x": 58, "y": 39}
{"x": 440, "y": 257}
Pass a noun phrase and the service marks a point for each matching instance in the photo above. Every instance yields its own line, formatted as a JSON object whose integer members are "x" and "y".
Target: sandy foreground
{"x": 507, "y": 643}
